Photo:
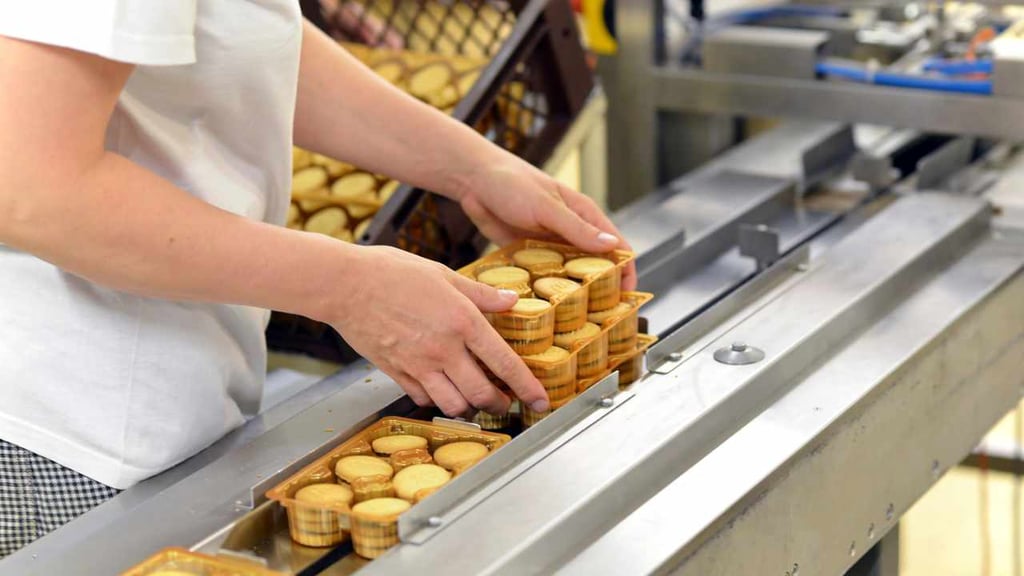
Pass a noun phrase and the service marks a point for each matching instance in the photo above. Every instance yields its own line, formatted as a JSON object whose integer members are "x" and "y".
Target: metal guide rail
{"x": 787, "y": 383}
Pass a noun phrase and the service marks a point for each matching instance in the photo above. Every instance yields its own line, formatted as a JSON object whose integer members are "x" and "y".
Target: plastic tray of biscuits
{"x": 182, "y": 562}
{"x": 631, "y": 366}
{"x": 571, "y": 319}
{"x": 361, "y": 487}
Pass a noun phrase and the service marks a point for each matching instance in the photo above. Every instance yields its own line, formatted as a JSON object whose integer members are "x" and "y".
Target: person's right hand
{"x": 421, "y": 323}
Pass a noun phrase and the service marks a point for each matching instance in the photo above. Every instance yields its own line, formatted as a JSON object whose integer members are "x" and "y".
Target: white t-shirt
{"x": 115, "y": 386}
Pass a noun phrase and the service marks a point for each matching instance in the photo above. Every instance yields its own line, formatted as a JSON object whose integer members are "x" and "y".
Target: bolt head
{"x": 434, "y": 521}
{"x": 739, "y": 347}
{"x": 607, "y": 402}
{"x": 675, "y": 356}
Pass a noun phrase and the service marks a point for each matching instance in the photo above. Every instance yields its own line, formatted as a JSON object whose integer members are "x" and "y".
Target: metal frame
{"x": 665, "y": 118}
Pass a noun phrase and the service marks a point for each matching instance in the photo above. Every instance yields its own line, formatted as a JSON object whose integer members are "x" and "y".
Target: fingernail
{"x": 540, "y": 406}
{"x": 508, "y": 293}
{"x": 607, "y": 238}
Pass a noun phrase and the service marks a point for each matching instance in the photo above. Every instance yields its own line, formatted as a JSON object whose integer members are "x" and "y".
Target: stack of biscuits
{"x": 571, "y": 317}
{"x": 362, "y": 487}
{"x": 337, "y": 199}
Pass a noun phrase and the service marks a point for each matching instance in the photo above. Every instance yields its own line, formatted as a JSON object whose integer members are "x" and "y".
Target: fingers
{"x": 474, "y": 385}
{"x": 591, "y": 212}
{"x": 444, "y": 394}
{"x": 559, "y": 218}
{"x": 486, "y": 298}
{"x": 413, "y": 389}
{"x": 494, "y": 352}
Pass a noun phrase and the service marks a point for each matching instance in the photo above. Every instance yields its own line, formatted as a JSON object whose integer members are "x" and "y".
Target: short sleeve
{"x": 145, "y": 32}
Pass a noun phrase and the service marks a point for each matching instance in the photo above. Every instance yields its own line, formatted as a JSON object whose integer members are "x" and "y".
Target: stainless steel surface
{"x": 760, "y": 243}
{"x": 838, "y": 458}
{"x": 690, "y": 90}
{"x": 676, "y": 420}
{"x": 937, "y": 168}
{"x": 710, "y": 213}
{"x": 754, "y": 50}
{"x": 459, "y": 496}
{"x": 669, "y": 353}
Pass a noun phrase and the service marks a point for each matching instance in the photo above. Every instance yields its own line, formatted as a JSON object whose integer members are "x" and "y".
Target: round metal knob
{"x": 739, "y": 354}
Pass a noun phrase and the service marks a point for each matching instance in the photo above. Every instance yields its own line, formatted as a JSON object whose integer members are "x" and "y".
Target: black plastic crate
{"x": 525, "y": 100}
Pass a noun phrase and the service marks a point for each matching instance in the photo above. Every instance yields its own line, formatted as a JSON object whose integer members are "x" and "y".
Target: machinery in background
{"x": 682, "y": 89}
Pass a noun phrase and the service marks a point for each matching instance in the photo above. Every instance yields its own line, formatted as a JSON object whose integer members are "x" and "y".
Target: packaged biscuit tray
{"x": 600, "y": 291}
{"x": 560, "y": 373}
{"x": 631, "y": 366}
{"x": 625, "y": 322}
{"x": 317, "y": 524}
{"x": 182, "y": 561}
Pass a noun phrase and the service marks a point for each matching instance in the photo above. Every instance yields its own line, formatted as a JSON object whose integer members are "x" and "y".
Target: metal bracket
{"x": 875, "y": 171}
{"x": 827, "y": 157}
{"x": 760, "y": 243}
{"x": 466, "y": 491}
{"x": 936, "y": 168}
{"x": 456, "y": 423}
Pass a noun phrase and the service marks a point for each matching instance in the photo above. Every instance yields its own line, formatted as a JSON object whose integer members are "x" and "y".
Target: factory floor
{"x": 964, "y": 525}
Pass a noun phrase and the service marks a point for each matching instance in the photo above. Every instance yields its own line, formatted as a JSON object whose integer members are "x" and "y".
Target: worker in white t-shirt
{"x": 144, "y": 176}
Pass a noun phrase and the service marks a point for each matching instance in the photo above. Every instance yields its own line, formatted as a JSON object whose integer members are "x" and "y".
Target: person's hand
{"x": 508, "y": 199}
{"x": 421, "y": 323}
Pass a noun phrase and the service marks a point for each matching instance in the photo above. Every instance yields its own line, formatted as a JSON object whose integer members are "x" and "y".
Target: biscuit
{"x": 309, "y": 179}
{"x": 502, "y": 276}
{"x": 351, "y": 467}
{"x": 392, "y": 444}
{"x": 417, "y": 477}
{"x": 619, "y": 309}
{"x": 325, "y": 494}
{"x": 539, "y": 261}
{"x": 375, "y": 525}
{"x": 329, "y": 221}
{"x": 459, "y": 454}
{"x": 583, "y": 268}
{"x": 576, "y": 338}
{"x": 381, "y": 509}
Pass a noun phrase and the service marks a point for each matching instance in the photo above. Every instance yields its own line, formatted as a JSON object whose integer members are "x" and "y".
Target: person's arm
{"x": 345, "y": 111}
{"x": 95, "y": 214}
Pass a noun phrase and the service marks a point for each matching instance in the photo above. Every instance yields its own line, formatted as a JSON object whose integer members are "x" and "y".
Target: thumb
{"x": 486, "y": 298}
{"x": 561, "y": 220}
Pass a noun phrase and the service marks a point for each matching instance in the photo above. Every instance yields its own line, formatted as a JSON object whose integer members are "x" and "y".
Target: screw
{"x": 890, "y": 512}
{"x": 675, "y": 356}
{"x": 607, "y": 403}
{"x": 853, "y": 548}
{"x": 935, "y": 468}
{"x": 871, "y": 531}
{"x": 762, "y": 227}
{"x": 435, "y": 521}
{"x": 802, "y": 267}
{"x": 796, "y": 569}
{"x": 739, "y": 347}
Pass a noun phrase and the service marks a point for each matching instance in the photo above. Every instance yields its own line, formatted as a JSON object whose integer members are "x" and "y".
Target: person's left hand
{"x": 508, "y": 199}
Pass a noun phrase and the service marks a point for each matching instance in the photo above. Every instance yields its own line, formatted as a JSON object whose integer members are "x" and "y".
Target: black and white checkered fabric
{"x": 38, "y": 496}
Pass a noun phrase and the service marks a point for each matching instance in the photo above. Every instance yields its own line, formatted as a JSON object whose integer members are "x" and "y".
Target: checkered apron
{"x": 38, "y": 496}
